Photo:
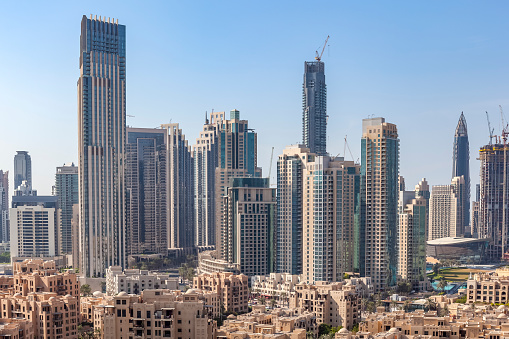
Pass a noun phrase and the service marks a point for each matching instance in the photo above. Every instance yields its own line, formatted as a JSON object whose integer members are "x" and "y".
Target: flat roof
{"x": 455, "y": 241}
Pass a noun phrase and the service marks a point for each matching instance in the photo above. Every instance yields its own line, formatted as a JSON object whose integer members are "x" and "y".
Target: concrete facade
{"x": 135, "y": 281}
{"x": 231, "y": 289}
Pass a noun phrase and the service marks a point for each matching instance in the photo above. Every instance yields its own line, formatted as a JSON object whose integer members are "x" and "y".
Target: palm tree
{"x": 261, "y": 300}
{"x": 442, "y": 284}
{"x": 393, "y": 305}
{"x": 430, "y": 305}
{"x": 370, "y": 307}
{"x": 406, "y": 305}
{"x": 272, "y": 303}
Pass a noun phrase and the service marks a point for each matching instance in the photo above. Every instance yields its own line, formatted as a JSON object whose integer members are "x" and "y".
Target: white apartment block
{"x": 133, "y": 281}
{"x": 275, "y": 284}
{"x": 446, "y": 210}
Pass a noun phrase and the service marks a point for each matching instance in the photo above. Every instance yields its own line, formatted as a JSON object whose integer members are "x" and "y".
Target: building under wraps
{"x": 493, "y": 222}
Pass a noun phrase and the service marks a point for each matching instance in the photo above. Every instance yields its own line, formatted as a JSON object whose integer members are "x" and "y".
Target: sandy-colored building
{"x": 278, "y": 324}
{"x": 155, "y": 314}
{"x": 487, "y": 288}
{"x": 336, "y": 304}
{"x": 37, "y": 275}
{"x": 16, "y": 329}
{"x": 232, "y": 289}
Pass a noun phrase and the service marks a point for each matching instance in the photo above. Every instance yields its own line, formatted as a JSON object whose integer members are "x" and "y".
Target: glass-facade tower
{"x": 22, "y": 169}
{"x": 314, "y": 108}
{"x": 66, "y": 188}
{"x": 102, "y": 139}
{"x": 461, "y": 163}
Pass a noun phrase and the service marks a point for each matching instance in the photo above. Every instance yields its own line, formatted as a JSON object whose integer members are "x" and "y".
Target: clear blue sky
{"x": 418, "y": 64}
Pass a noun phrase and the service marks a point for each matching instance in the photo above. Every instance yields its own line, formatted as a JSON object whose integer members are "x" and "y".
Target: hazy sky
{"x": 418, "y": 64}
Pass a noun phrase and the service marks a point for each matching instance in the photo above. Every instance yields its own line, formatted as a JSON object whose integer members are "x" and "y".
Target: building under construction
{"x": 493, "y": 222}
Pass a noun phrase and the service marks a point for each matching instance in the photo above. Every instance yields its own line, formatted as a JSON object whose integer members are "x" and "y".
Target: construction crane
{"x": 131, "y": 116}
{"x": 319, "y": 56}
{"x": 490, "y": 129}
{"x": 347, "y": 146}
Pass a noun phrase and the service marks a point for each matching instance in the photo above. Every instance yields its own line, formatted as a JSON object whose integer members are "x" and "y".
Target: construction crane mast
{"x": 318, "y": 57}
{"x": 489, "y": 127}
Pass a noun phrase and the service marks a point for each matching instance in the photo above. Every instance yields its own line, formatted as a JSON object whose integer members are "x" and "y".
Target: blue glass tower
{"x": 314, "y": 108}
{"x": 461, "y": 162}
{"x": 101, "y": 145}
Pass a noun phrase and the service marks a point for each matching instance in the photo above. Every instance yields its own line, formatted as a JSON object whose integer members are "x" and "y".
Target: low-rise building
{"x": 16, "y": 329}
{"x": 208, "y": 262}
{"x": 274, "y": 284}
{"x": 279, "y": 324}
{"x": 336, "y": 304}
{"x": 135, "y": 281}
{"x": 156, "y": 314}
{"x": 488, "y": 288}
{"x": 232, "y": 289}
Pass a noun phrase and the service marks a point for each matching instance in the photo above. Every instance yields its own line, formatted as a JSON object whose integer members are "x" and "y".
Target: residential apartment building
{"x": 156, "y": 314}
{"x": 281, "y": 285}
{"x": 34, "y": 223}
{"x": 487, "y": 288}
{"x": 208, "y": 262}
{"x": 412, "y": 227}
{"x": 16, "y": 329}
{"x": 205, "y": 161}
{"x": 147, "y": 190}
{"x": 379, "y": 202}
{"x": 46, "y": 299}
{"x": 249, "y": 225}
{"x": 336, "y": 304}
{"x": 101, "y": 145}
{"x": 4, "y": 206}
{"x": 237, "y": 158}
{"x": 134, "y": 281}
{"x": 280, "y": 324}
{"x": 38, "y": 276}
{"x": 446, "y": 217}
{"x": 180, "y": 189}
{"x": 66, "y": 189}
{"x": 330, "y": 233}
{"x": 494, "y": 193}
{"x": 314, "y": 107}
{"x": 232, "y": 290}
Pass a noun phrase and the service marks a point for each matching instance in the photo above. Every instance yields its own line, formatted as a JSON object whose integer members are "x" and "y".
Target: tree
{"x": 442, "y": 284}
{"x": 103, "y": 286}
{"x": 394, "y": 304}
{"x": 272, "y": 303}
{"x": 284, "y": 298}
{"x": 436, "y": 268}
{"x": 85, "y": 290}
{"x": 324, "y": 329}
{"x": 406, "y": 305}
{"x": 346, "y": 276}
{"x": 261, "y": 300}
{"x": 370, "y": 307}
{"x": 430, "y": 305}
{"x": 355, "y": 328}
{"x": 190, "y": 274}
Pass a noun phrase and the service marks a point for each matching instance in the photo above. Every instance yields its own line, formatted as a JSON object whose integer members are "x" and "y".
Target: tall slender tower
{"x": 66, "y": 188}
{"x": 22, "y": 169}
{"x": 101, "y": 145}
{"x": 314, "y": 108}
{"x": 4, "y": 206}
{"x": 237, "y": 157}
{"x": 379, "y": 201}
{"x": 461, "y": 163}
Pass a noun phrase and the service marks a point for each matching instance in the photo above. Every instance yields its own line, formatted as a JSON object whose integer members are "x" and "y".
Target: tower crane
{"x": 271, "y": 157}
{"x": 318, "y": 57}
{"x": 489, "y": 127}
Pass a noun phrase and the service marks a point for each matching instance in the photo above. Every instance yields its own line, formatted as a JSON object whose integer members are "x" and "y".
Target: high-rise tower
{"x": 314, "y": 108}
{"x": 461, "y": 163}
{"x": 379, "y": 201}
{"x": 4, "y": 206}
{"x": 66, "y": 188}
{"x": 101, "y": 145}
{"x": 22, "y": 169}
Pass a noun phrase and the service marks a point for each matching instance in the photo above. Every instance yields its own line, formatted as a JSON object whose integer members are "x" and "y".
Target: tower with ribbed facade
{"x": 66, "y": 188}
{"x": 461, "y": 163}
{"x": 379, "y": 201}
{"x": 314, "y": 108}
{"x": 101, "y": 145}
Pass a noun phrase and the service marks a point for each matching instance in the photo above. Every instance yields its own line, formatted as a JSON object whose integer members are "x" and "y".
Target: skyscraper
{"x": 205, "y": 162}
{"x": 446, "y": 210}
{"x": 379, "y": 201}
{"x": 493, "y": 219}
{"x": 314, "y": 108}
{"x": 461, "y": 163}
{"x": 66, "y": 189}
{"x": 146, "y": 183}
{"x": 249, "y": 225}
{"x": 22, "y": 169}
{"x": 101, "y": 145}
{"x": 237, "y": 158}
{"x": 330, "y": 233}
{"x": 180, "y": 200}
{"x": 4, "y": 206}
{"x": 412, "y": 226}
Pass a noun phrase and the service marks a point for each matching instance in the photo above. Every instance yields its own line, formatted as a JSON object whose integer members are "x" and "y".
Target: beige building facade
{"x": 232, "y": 290}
